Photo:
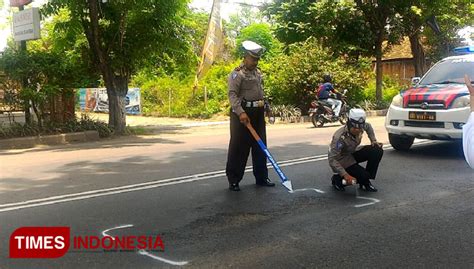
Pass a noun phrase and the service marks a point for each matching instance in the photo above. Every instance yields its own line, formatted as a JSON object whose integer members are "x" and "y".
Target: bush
{"x": 83, "y": 124}
{"x": 391, "y": 87}
{"x": 156, "y": 94}
{"x": 288, "y": 76}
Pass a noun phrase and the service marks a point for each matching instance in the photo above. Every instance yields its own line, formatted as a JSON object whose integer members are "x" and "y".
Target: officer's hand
{"x": 244, "y": 118}
{"x": 377, "y": 144}
{"x": 349, "y": 179}
{"x": 467, "y": 80}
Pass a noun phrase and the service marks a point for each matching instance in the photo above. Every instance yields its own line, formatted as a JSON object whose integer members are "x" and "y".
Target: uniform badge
{"x": 339, "y": 144}
{"x": 234, "y": 75}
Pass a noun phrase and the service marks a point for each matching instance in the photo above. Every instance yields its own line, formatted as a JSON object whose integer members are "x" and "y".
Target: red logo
{"x": 39, "y": 242}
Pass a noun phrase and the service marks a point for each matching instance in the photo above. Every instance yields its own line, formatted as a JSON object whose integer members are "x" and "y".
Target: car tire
{"x": 400, "y": 142}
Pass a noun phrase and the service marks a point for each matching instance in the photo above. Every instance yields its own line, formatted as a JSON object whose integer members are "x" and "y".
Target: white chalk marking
{"x": 146, "y": 253}
{"x": 307, "y": 189}
{"x": 104, "y": 233}
{"x": 149, "y": 185}
{"x": 374, "y": 201}
{"x": 142, "y": 251}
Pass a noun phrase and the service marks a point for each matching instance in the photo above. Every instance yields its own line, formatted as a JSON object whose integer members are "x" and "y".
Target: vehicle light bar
{"x": 464, "y": 50}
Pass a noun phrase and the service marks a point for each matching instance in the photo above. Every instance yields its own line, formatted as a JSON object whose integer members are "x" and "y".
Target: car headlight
{"x": 397, "y": 100}
{"x": 463, "y": 101}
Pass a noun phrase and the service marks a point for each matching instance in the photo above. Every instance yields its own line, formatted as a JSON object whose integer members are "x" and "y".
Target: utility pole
{"x": 24, "y": 81}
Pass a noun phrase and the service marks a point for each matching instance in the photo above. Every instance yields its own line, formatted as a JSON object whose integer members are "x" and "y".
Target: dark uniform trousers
{"x": 241, "y": 141}
{"x": 372, "y": 155}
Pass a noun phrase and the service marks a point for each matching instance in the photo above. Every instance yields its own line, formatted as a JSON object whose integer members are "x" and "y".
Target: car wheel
{"x": 400, "y": 142}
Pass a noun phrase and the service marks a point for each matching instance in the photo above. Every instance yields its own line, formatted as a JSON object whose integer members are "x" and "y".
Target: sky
{"x": 228, "y": 7}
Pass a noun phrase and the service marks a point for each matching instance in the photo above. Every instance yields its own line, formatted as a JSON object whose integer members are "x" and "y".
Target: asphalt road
{"x": 172, "y": 184}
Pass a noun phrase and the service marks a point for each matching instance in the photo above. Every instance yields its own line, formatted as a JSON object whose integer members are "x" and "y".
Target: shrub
{"x": 288, "y": 76}
{"x": 83, "y": 124}
{"x": 391, "y": 87}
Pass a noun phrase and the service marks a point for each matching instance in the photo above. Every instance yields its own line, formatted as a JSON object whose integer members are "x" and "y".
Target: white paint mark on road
{"x": 307, "y": 189}
{"x": 104, "y": 233}
{"x": 374, "y": 201}
{"x": 142, "y": 251}
{"x": 146, "y": 253}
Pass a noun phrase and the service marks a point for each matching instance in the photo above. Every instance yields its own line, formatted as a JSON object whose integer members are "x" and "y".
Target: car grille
{"x": 432, "y": 104}
{"x": 424, "y": 124}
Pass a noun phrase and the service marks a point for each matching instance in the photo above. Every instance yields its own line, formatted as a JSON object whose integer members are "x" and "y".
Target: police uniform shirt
{"x": 342, "y": 146}
{"x": 244, "y": 85}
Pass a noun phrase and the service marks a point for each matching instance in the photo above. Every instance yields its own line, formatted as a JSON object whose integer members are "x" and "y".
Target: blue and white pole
{"x": 284, "y": 180}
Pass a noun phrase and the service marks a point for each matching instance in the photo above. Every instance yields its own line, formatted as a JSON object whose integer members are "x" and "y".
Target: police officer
{"x": 345, "y": 155}
{"x": 246, "y": 99}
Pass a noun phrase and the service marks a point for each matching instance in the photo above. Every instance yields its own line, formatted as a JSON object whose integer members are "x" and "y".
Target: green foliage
{"x": 245, "y": 17}
{"x": 391, "y": 87}
{"x": 76, "y": 125}
{"x": 259, "y": 33}
{"x": 132, "y": 34}
{"x": 157, "y": 101}
{"x": 451, "y": 17}
{"x": 288, "y": 76}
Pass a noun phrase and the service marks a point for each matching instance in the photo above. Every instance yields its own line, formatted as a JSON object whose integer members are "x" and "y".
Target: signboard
{"x": 17, "y": 3}
{"x": 214, "y": 41}
{"x": 96, "y": 100}
{"x": 26, "y": 24}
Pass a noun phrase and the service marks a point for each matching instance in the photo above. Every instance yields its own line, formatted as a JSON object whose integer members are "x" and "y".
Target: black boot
{"x": 336, "y": 181}
{"x": 266, "y": 182}
{"x": 369, "y": 187}
{"x": 234, "y": 187}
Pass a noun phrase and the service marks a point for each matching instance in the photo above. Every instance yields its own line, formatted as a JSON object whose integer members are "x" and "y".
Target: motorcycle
{"x": 321, "y": 112}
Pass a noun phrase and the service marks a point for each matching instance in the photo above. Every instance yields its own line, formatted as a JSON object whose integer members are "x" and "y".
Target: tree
{"x": 124, "y": 35}
{"x": 350, "y": 28}
{"x": 259, "y": 33}
{"x": 245, "y": 17}
{"x": 414, "y": 16}
{"x": 451, "y": 17}
{"x": 286, "y": 79}
{"x": 383, "y": 25}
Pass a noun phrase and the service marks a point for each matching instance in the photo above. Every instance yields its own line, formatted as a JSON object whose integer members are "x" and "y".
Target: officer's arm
{"x": 234, "y": 82}
{"x": 335, "y": 150}
{"x": 370, "y": 132}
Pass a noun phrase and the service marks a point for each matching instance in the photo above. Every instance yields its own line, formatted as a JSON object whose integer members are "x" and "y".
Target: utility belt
{"x": 253, "y": 104}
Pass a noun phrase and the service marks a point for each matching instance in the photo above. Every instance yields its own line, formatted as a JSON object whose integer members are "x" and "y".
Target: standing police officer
{"x": 345, "y": 155}
{"x": 246, "y": 99}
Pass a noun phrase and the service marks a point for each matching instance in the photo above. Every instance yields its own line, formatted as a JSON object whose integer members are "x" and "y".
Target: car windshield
{"x": 449, "y": 71}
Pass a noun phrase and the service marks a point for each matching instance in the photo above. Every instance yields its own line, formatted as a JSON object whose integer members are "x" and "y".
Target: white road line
{"x": 374, "y": 201}
{"x": 142, "y": 251}
{"x": 149, "y": 185}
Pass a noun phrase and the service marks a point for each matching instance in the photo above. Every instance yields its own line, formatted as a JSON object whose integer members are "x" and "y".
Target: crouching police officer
{"x": 246, "y": 99}
{"x": 344, "y": 154}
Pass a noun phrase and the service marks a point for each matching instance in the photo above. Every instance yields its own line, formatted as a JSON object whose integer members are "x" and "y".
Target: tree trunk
{"x": 117, "y": 86}
{"x": 418, "y": 55}
{"x": 116, "y": 94}
{"x": 378, "y": 69}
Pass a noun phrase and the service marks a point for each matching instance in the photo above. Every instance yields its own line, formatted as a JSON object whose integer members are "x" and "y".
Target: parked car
{"x": 436, "y": 106}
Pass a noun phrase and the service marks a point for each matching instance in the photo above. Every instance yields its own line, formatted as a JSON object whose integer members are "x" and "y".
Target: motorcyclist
{"x": 324, "y": 94}
{"x": 345, "y": 154}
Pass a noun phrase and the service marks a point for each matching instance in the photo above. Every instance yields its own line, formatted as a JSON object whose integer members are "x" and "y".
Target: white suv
{"x": 436, "y": 106}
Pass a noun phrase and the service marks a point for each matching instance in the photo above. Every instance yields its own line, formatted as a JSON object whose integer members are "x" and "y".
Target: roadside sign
{"x": 17, "y": 3}
{"x": 26, "y": 24}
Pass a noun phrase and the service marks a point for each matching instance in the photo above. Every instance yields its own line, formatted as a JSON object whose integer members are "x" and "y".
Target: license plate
{"x": 415, "y": 115}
